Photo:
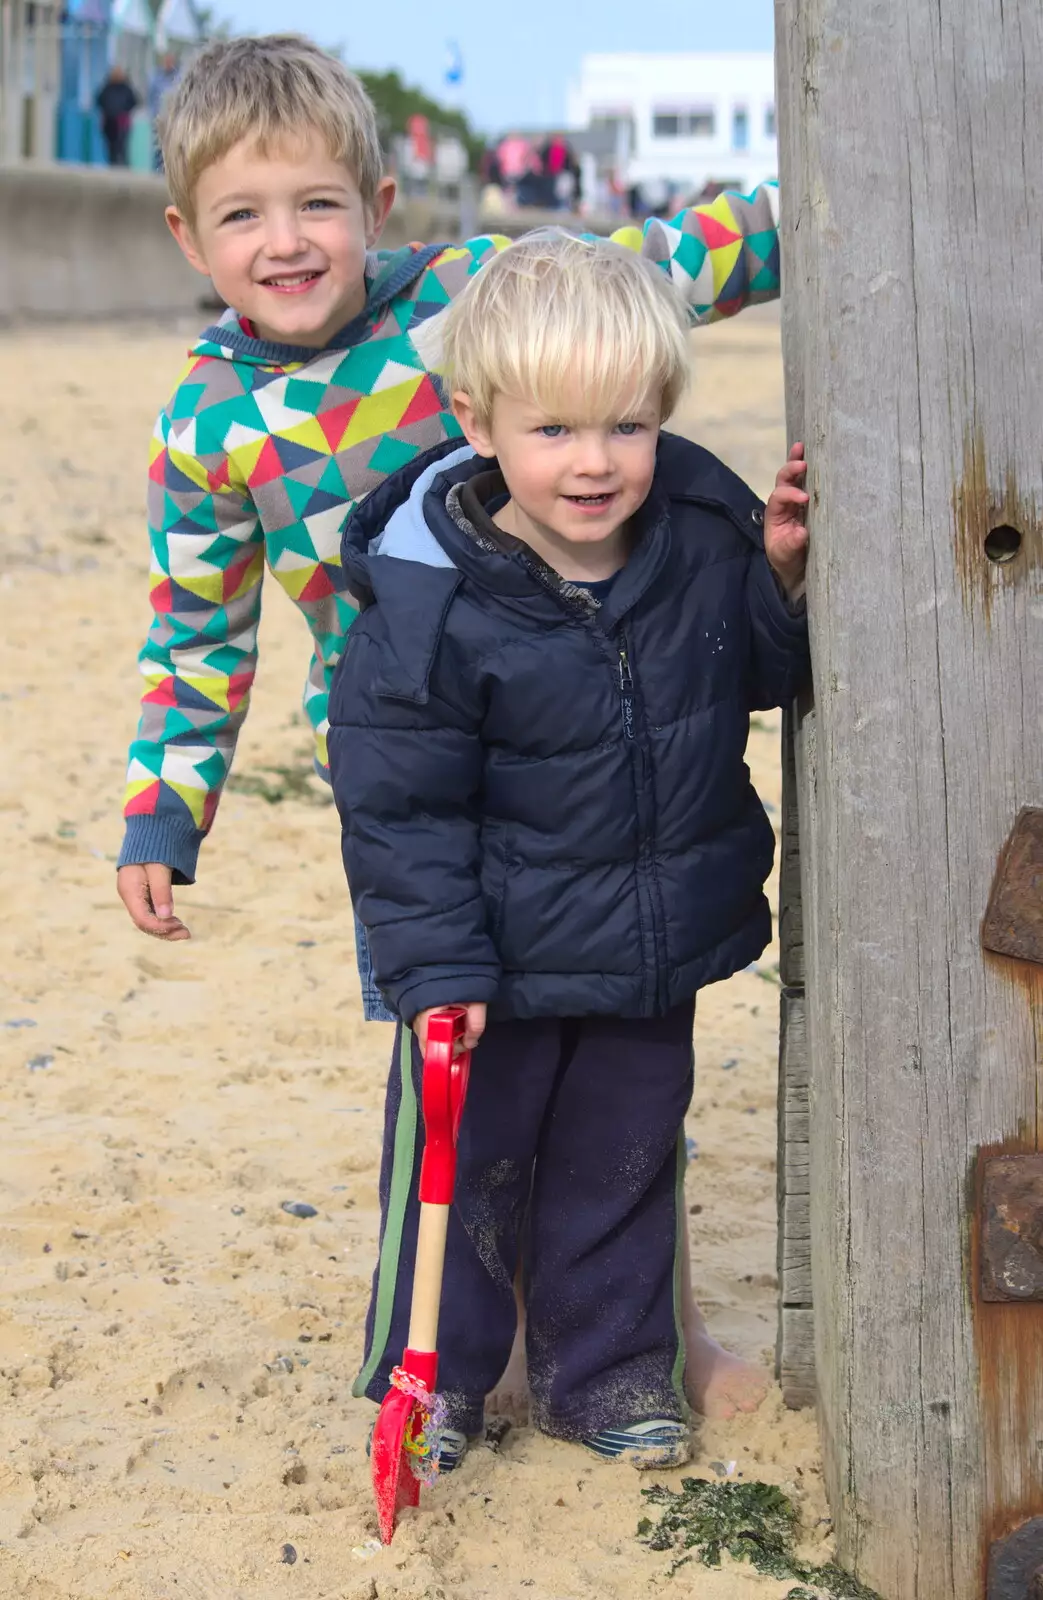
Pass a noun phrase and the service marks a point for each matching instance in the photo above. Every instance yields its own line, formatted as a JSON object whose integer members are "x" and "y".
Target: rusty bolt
{"x": 1013, "y": 924}
{"x": 1012, "y": 1228}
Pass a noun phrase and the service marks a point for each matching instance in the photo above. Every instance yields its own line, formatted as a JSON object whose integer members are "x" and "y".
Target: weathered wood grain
{"x": 797, "y": 1364}
{"x": 794, "y": 1361}
{"x": 912, "y": 181}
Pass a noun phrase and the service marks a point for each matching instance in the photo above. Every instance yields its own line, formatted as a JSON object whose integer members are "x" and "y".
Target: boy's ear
{"x": 477, "y": 436}
{"x": 186, "y": 243}
{"x": 378, "y": 212}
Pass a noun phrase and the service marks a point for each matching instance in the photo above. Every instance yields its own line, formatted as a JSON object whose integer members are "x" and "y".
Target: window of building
{"x": 769, "y": 122}
{"x": 740, "y": 128}
{"x": 696, "y": 123}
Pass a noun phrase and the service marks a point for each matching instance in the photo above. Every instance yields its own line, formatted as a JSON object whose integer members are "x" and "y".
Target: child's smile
{"x": 284, "y": 235}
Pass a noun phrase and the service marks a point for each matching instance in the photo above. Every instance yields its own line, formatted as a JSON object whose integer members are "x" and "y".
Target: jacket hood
{"x": 408, "y": 516}
{"x": 408, "y": 546}
{"x": 385, "y": 280}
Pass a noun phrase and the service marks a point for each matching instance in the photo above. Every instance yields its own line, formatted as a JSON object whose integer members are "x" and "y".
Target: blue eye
{"x": 551, "y": 430}
{"x": 324, "y": 205}
{"x": 239, "y": 215}
{"x": 628, "y": 429}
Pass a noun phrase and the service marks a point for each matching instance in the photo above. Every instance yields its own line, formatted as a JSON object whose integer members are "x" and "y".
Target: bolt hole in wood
{"x": 1002, "y": 543}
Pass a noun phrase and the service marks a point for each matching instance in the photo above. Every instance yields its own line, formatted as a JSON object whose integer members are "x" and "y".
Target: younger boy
{"x": 537, "y": 731}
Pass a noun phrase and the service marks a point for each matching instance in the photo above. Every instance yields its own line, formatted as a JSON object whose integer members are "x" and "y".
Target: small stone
{"x": 20, "y": 1022}
{"x": 691, "y": 1149}
{"x": 306, "y": 944}
{"x": 80, "y": 1233}
{"x": 730, "y": 1065}
{"x": 288, "y": 1555}
{"x": 238, "y": 1211}
{"x": 718, "y": 1467}
{"x": 47, "y": 1249}
{"x": 40, "y": 1063}
{"x": 749, "y": 1111}
{"x": 298, "y": 1208}
{"x": 296, "y": 1472}
{"x": 280, "y": 1364}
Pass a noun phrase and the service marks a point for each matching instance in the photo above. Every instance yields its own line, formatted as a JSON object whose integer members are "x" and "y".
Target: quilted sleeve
{"x": 199, "y": 659}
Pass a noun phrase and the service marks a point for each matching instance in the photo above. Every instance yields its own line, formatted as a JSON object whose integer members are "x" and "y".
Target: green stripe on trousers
{"x": 398, "y": 1197}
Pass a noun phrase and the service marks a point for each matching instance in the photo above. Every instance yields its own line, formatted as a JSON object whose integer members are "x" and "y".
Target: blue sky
{"x": 518, "y": 54}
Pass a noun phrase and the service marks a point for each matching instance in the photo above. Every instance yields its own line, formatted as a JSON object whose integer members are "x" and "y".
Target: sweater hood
{"x": 386, "y": 278}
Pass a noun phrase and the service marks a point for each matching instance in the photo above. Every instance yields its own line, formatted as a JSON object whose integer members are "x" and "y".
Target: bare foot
{"x": 718, "y": 1384}
{"x": 510, "y": 1398}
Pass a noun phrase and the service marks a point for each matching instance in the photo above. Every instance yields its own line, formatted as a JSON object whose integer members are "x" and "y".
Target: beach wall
{"x": 90, "y": 242}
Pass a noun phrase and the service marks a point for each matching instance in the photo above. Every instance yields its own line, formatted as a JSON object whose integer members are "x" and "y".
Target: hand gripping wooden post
{"x": 401, "y": 1455}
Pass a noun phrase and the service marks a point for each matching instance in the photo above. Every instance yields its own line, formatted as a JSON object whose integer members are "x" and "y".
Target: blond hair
{"x": 584, "y": 328}
{"x": 271, "y": 89}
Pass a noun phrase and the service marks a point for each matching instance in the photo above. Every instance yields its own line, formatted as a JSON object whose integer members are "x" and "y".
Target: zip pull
{"x": 626, "y": 689}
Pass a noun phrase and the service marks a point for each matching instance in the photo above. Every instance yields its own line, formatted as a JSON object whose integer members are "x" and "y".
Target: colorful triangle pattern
{"x": 257, "y": 462}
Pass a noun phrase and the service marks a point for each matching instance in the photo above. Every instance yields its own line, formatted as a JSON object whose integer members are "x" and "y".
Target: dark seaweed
{"x": 752, "y": 1522}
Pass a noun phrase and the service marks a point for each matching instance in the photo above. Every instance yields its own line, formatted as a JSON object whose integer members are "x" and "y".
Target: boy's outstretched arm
{"x": 723, "y": 256}
{"x": 198, "y": 664}
{"x": 406, "y": 778}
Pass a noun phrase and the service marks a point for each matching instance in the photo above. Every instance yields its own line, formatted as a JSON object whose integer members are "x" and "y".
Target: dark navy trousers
{"x": 571, "y": 1159}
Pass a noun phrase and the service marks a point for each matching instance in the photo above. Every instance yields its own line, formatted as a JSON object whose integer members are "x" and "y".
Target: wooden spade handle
{"x": 427, "y": 1277}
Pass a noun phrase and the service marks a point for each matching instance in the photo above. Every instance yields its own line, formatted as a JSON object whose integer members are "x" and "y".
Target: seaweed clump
{"x": 752, "y": 1522}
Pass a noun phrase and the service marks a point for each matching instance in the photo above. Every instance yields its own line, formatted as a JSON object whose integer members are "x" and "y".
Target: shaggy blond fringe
{"x": 585, "y": 329}
{"x": 273, "y": 90}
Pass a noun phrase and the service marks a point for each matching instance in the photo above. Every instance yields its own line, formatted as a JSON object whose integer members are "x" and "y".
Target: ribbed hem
{"x": 168, "y": 840}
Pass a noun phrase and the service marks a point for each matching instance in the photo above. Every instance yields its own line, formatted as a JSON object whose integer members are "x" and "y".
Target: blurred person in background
{"x": 517, "y": 163}
{"x": 160, "y": 84}
{"x": 116, "y": 102}
{"x": 560, "y": 174}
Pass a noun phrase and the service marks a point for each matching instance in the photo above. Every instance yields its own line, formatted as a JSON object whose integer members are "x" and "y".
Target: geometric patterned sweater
{"x": 264, "y": 449}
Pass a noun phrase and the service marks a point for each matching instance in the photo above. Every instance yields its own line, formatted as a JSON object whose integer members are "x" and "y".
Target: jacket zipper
{"x": 628, "y": 710}
{"x": 626, "y": 688}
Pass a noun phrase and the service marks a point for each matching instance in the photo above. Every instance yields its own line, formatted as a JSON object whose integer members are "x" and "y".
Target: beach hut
{"x": 30, "y": 32}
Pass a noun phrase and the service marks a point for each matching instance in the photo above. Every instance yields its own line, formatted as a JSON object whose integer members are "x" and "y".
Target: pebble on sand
{"x": 299, "y": 1208}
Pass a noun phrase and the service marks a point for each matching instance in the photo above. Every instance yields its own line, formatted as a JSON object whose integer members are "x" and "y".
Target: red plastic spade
{"x": 401, "y": 1416}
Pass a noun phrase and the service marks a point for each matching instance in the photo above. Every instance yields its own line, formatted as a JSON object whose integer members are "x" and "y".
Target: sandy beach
{"x": 176, "y": 1350}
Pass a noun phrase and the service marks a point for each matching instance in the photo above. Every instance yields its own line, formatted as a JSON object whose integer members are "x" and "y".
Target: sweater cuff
{"x": 168, "y": 840}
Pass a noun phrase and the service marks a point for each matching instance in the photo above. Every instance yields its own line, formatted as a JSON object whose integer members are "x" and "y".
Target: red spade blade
{"x": 394, "y": 1485}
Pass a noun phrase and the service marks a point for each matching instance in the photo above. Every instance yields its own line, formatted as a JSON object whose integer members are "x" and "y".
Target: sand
{"x": 176, "y": 1351}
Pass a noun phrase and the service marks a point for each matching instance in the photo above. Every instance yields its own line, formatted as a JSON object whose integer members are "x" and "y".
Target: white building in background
{"x": 681, "y": 120}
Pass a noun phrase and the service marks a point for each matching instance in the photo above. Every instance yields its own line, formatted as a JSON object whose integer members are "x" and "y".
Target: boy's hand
{"x": 148, "y": 897}
{"x": 475, "y": 1025}
{"x": 785, "y": 536}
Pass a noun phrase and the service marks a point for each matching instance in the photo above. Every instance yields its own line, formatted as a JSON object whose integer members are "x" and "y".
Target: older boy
{"x": 295, "y": 405}
{"x": 537, "y": 732}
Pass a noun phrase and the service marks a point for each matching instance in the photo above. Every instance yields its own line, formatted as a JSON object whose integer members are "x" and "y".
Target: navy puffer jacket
{"x": 545, "y": 804}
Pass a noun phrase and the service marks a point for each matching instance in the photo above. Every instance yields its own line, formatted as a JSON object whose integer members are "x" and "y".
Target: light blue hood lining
{"x": 407, "y": 536}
